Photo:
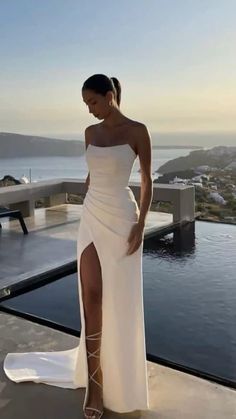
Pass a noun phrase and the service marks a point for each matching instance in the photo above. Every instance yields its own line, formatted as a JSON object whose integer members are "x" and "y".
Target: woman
{"x": 110, "y": 360}
{"x": 112, "y": 214}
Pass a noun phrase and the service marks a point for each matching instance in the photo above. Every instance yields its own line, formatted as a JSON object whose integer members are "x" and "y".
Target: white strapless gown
{"x": 109, "y": 211}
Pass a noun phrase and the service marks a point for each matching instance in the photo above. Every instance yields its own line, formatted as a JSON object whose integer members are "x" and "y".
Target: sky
{"x": 175, "y": 60}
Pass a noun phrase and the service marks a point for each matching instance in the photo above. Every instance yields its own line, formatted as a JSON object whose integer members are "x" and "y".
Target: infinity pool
{"x": 189, "y": 299}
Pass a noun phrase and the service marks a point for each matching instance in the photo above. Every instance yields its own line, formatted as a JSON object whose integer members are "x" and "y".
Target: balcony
{"x": 48, "y": 253}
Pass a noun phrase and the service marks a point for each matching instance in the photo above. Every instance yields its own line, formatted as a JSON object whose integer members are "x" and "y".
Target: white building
{"x": 178, "y": 180}
{"x": 201, "y": 169}
{"x": 197, "y": 178}
{"x": 231, "y": 166}
{"x": 217, "y": 198}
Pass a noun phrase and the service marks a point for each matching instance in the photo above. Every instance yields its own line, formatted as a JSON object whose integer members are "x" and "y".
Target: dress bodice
{"x": 110, "y": 167}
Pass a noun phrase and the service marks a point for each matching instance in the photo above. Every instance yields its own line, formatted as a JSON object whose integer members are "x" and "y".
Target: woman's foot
{"x": 95, "y": 399}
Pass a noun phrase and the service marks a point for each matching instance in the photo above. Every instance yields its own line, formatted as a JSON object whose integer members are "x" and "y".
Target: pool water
{"x": 189, "y": 299}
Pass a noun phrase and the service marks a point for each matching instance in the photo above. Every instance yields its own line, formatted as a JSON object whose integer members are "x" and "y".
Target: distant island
{"x": 177, "y": 147}
{"x": 18, "y": 145}
{"x": 219, "y": 157}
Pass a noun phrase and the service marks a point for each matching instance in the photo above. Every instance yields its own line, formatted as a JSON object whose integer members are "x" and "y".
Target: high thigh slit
{"x": 109, "y": 211}
{"x": 91, "y": 261}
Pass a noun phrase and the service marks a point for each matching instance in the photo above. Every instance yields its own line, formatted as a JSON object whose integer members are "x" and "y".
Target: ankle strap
{"x": 94, "y": 334}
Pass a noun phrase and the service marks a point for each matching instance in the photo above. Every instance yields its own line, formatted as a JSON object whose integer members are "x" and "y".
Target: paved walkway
{"x": 173, "y": 394}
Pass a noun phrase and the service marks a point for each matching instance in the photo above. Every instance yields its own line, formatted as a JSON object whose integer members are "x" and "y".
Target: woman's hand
{"x": 135, "y": 238}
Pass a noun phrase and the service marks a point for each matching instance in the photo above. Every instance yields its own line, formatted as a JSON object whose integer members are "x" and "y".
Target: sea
{"x": 44, "y": 168}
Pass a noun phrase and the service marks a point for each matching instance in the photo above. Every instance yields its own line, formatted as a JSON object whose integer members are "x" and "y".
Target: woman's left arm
{"x": 144, "y": 149}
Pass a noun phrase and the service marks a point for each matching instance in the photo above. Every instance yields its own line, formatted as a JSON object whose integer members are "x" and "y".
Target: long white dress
{"x": 109, "y": 212}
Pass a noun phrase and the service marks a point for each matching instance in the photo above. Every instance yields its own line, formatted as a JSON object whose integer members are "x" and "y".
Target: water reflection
{"x": 179, "y": 244}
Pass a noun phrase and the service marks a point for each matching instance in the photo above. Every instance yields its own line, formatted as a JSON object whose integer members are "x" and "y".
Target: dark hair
{"x": 102, "y": 84}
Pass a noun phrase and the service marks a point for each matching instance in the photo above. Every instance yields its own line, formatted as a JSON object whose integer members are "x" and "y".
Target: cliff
{"x": 17, "y": 145}
{"x": 217, "y": 157}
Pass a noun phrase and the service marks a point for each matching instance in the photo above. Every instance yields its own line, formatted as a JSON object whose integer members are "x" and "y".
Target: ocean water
{"x": 42, "y": 168}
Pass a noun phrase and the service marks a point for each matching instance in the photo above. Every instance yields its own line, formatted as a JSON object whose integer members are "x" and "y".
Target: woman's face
{"x": 97, "y": 104}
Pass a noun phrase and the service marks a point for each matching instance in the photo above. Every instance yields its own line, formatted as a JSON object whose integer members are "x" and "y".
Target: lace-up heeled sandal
{"x": 97, "y": 413}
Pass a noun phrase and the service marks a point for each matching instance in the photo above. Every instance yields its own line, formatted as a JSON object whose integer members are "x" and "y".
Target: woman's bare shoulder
{"x": 88, "y": 134}
{"x": 138, "y": 135}
{"x": 133, "y": 122}
{"x": 91, "y": 128}
{"x": 139, "y": 129}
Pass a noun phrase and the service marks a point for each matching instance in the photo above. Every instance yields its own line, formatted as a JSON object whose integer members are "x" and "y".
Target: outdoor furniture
{"x": 7, "y": 212}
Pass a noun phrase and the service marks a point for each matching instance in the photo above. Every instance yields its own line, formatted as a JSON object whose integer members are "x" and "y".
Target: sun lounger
{"x": 7, "y": 212}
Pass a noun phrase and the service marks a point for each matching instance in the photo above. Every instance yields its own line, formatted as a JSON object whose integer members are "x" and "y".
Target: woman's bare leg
{"x": 91, "y": 280}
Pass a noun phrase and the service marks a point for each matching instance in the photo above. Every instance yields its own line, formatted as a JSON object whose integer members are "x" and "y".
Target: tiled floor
{"x": 172, "y": 394}
{"x": 51, "y": 242}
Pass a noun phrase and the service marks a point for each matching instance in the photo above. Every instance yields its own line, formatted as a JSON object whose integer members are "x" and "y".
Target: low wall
{"x": 23, "y": 197}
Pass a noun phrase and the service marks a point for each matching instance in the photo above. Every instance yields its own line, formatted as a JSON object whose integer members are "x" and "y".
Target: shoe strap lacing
{"x": 93, "y": 354}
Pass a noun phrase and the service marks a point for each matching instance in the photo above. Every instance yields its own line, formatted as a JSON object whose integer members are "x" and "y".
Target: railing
{"x": 23, "y": 197}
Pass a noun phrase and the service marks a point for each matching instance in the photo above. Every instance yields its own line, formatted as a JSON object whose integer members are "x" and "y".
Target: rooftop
{"x": 173, "y": 394}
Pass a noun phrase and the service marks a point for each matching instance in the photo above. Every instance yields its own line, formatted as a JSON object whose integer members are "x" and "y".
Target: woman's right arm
{"x": 87, "y": 135}
{"x": 87, "y": 181}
